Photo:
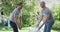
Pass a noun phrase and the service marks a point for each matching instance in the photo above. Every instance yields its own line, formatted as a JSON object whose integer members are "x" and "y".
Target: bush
{"x": 8, "y": 7}
{"x": 57, "y": 18}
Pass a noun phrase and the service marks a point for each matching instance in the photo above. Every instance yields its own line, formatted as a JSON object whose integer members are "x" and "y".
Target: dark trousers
{"x": 48, "y": 25}
{"x": 2, "y": 23}
{"x": 14, "y": 26}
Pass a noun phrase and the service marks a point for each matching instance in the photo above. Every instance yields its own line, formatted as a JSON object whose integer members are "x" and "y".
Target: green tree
{"x": 28, "y": 12}
{"x": 57, "y": 17}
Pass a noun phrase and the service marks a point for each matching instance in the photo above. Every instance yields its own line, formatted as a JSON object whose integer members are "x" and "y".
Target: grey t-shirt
{"x": 16, "y": 12}
{"x": 47, "y": 11}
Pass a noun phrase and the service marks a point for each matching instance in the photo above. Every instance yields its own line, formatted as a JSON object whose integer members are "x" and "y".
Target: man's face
{"x": 20, "y": 6}
{"x": 42, "y": 5}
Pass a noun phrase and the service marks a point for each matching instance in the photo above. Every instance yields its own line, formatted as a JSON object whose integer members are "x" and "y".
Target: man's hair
{"x": 2, "y": 13}
{"x": 20, "y": 3}
{"x": 42, "y": 2}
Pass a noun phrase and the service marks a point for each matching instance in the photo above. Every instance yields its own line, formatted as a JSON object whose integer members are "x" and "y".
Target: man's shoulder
{"x": 14, "y": 10}
{"x": 47, "y": 8}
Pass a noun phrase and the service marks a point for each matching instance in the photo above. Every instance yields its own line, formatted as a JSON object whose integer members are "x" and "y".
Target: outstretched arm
{"x": 20, "y": 20}
{"x": 15, "y": 18}
{"x": 45, "y": 19}
{"x": 20, "y": 26}
{"x": 41, "y": 17}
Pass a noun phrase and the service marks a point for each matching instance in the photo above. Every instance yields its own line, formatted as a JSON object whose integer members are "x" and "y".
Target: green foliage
{"x": 27, "y": 11}
{"x": 57, "y": 18}
{"x": 56, "y": 25}
{"x": 57, "y": 13}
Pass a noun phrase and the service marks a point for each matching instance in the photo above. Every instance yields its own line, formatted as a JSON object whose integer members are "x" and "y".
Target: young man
{"x": 14, "y": 17}
{"x": 2, "y": 19}
{"x": 47, "y": 18}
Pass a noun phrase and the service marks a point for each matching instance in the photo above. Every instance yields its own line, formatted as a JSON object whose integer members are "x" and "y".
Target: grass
{"x": 25, "y": 29}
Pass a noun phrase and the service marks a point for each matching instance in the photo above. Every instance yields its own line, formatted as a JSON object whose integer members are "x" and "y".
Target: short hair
{"x": 20, "y": 3}
{"x": 42, "y": 2}
{"x": 2, "y": 13}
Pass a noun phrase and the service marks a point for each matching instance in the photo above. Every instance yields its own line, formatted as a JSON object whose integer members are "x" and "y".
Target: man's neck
{"x": 44, "y": 7}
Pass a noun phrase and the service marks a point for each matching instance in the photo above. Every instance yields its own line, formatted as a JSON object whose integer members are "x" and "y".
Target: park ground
{"x": 25, "y": 29}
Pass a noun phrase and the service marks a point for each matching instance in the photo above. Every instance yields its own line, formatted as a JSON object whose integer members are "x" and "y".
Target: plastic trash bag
{"x": 34, "y": 30}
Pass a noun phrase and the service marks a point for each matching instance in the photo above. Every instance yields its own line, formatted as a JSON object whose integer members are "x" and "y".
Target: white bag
{"x": 34, "y": 30}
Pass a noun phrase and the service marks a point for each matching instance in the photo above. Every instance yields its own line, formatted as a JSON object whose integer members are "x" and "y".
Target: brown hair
{"x": 20, "y": 3}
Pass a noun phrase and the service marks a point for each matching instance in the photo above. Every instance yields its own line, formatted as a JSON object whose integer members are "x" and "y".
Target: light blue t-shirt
{"x": 16, "y": 12}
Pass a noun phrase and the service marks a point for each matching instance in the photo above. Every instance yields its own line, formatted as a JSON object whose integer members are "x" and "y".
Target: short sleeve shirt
{"x": 47, "y": 12}
{"x": 17, "y": 12}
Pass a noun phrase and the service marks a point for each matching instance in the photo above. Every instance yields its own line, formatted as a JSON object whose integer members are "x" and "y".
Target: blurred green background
{"x": 29, "y": 11}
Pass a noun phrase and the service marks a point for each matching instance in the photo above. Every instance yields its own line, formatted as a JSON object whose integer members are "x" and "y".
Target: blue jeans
{"x": 48, "y": 25}
{"x": 14, "y": 26}
{"x": 2, "y": 23}
{"x": 9, "y": 24}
